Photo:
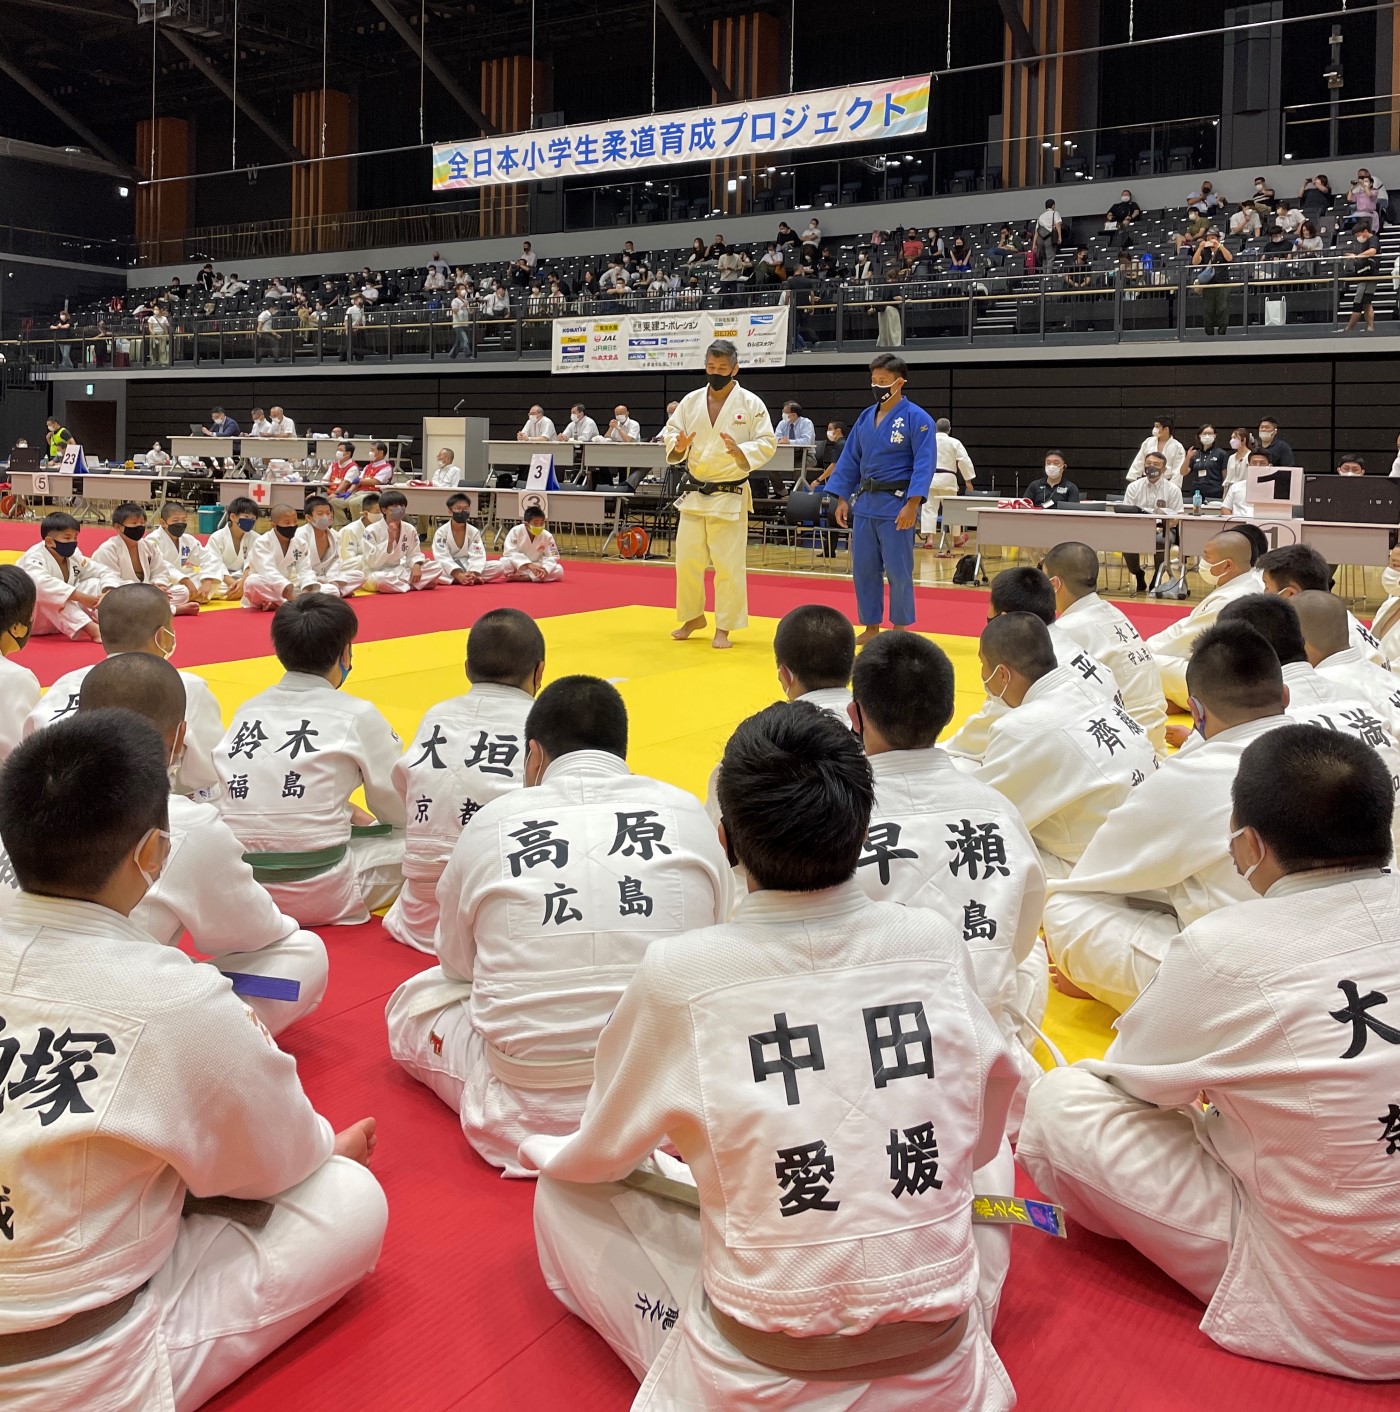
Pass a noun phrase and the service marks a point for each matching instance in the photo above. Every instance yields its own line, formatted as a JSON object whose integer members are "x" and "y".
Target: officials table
{"x": 1040, "y": 529}
{"x": 1194, "y": 531}
{"x": 95, "y": 486}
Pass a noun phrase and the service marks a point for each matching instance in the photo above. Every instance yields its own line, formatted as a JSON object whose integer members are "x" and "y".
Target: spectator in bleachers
{"x": 960, "y": 258}
{"x": 330, "y": 296}
{"x": 1264, "y": 196}
{"x": 717, "y": 248}
{"x": 267, "y": 339}
{"x": 1241, "y": 444}
{"x": 1363, "y": 262}
{"x": 369, "y": 292}
{"x": 1161, "y": 443}
{"x": 1288, "y": 217}
{"x": 935, "y": 247}
{"x": 1276, "y": 246}
{"x": 1049, "y": 235}
{"x": 62, "y": 328}
{"x": 1080, "y": 274}
{"x": 1197, "y": 225}
{"x": 1362, "y": 202}
{"x": 518, "y": 275}
{"x": 865, "y": 267}
{"x": 216, "y": 288}
{"x": 461, "y": 324}
{"x": 730, "y": 268}
{"x": 1120, "y": 218}
{"x": 911, "y": 248}
{"x": 1245, "y": 224}
{"x": 434, "y": 282}
{"x": 697, "y": 253}
{"x": 786, "y": 235}
{"x": 495, "y": 302}
{"x": 1204, "y": 201}
{"x": 1212, "y": 259}
{"x": 158, "y": 336}
{"x": 1307, "y": 241}
{"x": 354, "y": 330}
{"x": 588, "y": 288}
{"x": 177, "y": 290}
{"x": 276, "y": 289}
{"x": 1315, "y": 198}
{"x": 1007, "y": 245}
{"x": 437, "y": 264}
{"x": 1205, "y": 466}
{"x": 233, "y": 286}
{"x": 527, "y": 256}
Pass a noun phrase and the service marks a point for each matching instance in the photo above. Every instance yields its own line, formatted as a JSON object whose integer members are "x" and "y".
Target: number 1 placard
{"x": 1274, "y": 487}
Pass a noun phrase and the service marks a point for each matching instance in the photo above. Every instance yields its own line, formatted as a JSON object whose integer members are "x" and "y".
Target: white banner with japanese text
{"x": 658, "y": 342}
{"x": 777, "y": 127}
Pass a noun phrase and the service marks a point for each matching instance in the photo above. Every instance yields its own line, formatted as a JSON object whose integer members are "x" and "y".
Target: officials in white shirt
{"x": 537, "y": 426}
{"x": 581, "y": 426}
{"x": 447, "y": 474}
{"x": 1154, "y": 493}
{"x": 622, "y": 427}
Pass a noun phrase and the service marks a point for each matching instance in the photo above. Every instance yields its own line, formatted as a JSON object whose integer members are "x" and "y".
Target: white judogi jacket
{"x": 234, "y": 560}
{"x": 549, "y": 902}
{"x": 112, "y": 555}
{"x": 1368, "y": 642}
{"x": 352, "y": 544}
{"x": 522, "y": 548}
{"x": 468, "y": 557}
{"x": 465, "y": 753}
{"x": 186, "y": 562}
{"x": 1351, "y": 670}
{"x": 1269, "y": 1023}
{"x": 941, "y": 839}
{"x": 744, "y": 418}
{"x": 1385, "y": 626}
{"x": 380, "y": 555}
{"x": 292, "y": 758}
{"x": 19, "y": 694}
{"x": 204, "y": 724}
{"x": 968, "y": 744}
{"x": 1172, "y": 646}
{"x": 1066, "y": 759}
{"x": 180, "y": 1089}
{"x": 278, "y": 561}
{"x": 1102, "y": 629}
{"x": 54, "y": 589}
{"x": 314, "y": 568}
{"x": 710, "y": 1046}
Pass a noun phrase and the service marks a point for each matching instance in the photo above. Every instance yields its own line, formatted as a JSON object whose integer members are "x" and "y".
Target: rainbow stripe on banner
{"x": 777, "y": 127}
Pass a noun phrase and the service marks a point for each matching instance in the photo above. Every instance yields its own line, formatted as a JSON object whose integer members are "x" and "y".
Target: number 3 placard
{"x": 1274, "y": 487}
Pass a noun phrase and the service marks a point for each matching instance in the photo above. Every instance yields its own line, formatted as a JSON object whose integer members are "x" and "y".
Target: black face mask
{"x": 65, "y": 549}
{"x": 134, "y": 531}
{"x": 177, "y": 528}
{"x": 459, "y": 517}
{"x": 719, "y": 381}
{"x": 286, "y": 531}
{"x": 882, "y": 394}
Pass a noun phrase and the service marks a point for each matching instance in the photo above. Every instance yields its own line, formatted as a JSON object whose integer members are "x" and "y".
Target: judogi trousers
{"x": 606, "y": 1249}
{"x": 1131, "y": 1171}
{"x": 366, "y": 880}
{"x": 414, "y": 916}
{"x": 944, "y": 483}
{"x": 878, "y": 550}
{"x": 512, "y": 571}
{"x": 300, "y": 957}
{"x": 396, "y": 580}
{"x": 1108, "y": 945}
{"x": 705, "y": 540}
{"x": 224, "y": 1300}
{"x": 55, "y": 612}
{"x": 265, "y": 592}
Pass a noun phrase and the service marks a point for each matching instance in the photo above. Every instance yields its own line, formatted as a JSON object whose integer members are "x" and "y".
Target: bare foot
{"x": 869, "y": 635}
{"x": 187, "y": 610}
{"x": 358, "y": 1141}
{"x": 1066, "y": 986}
{"x": 91, "y": 633}
{"x": 721, "y": 639}
{"x": 685, "y": 629}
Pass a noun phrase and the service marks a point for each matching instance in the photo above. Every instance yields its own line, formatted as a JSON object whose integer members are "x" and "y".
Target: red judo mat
{"x": 457, "y": 1315}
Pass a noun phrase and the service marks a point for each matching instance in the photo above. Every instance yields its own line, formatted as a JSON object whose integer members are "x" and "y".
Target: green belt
{"x": 295, "y": 867}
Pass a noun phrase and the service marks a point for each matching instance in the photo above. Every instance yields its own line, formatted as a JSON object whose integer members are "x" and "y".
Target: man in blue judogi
{"x": 884, "y": 474}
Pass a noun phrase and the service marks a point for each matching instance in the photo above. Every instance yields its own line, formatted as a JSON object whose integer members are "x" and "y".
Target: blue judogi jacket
{"x": 901, "y": 451}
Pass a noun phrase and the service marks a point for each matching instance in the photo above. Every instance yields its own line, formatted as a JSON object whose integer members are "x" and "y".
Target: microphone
{"x": 460, "y": 405}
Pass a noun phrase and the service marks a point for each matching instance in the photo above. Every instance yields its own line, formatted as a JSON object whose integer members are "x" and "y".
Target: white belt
{"x": 538, "y": 1074}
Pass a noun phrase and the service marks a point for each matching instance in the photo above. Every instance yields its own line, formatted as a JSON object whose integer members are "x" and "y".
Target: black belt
{"x": 717, "y": 487}
{"x": 876, "y": 487}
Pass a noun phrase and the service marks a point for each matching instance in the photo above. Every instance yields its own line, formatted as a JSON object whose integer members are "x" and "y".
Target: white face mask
{"x": 1253, "y": 867}
{"x": 986, "y": 686}
{"x": 1212, "y": 573}
{"x": 321, "y": 522}
{"x": 1053, "y": 472}
{"x": 1265, "y": 436}
{"x": 1207, "y": 438}
{"x": 1341, "y": 472}
{"x": 373, "y": 516}
{"x": 147, "y": 877}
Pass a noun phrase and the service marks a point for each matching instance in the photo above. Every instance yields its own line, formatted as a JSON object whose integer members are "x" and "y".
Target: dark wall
{"x": 41, "y": 197}
{"x": 1008, "y": 414}
{"x": 36, "y": 291}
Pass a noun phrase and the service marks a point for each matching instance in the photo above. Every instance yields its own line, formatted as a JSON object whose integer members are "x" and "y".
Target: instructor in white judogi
{"x": 1102, "y": 629}
{"x": 1225, "y": 569}
{"x": 1159, "y": 862}
{"x": 788, "y": 1055}
{"x": 206, "y": 889}
{"x": 1243, "y": 1130}
{"x": 548, "y": 903}
{"x": 722, "y": 431}
{"x": 466, "y": 752}
{"x": 146, "y": 1088}
{"x": 289, "y": 763}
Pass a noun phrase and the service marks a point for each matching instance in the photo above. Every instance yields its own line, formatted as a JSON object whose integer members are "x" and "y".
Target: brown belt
{"x": 885, "y": 1351}
{"x": 30, "y": 1345}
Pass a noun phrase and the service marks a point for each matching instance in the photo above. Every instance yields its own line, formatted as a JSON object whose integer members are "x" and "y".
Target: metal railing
{"x": 80, "y": 249}
{"x": 1357, "y": 126}
{"x": 1255, "y": 299}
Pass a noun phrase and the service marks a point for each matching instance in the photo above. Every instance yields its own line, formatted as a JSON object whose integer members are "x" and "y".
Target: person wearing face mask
{"x": 1051, "y": 488}
{"x": 882, "y": 479}
{"x": 1166, "y": 843}
{"x": 19, "y": 687}
{"x": 136, "y": 617}
{"x": 1293, "y": 569}
{"x": 375, "y": 477}
{"x": 793, "y": 428}
{"x": 124, "y": 1300}
{"x": 458, "y": 545}
{"x": 1203, "y": 1136}
{"x": 131, "y": 556}
{"x": 505, "y": 1027}
{"x": 343, "y": 474}
{"x": 467, "y": 751}
{"x": 205, "y": 888}
{"x": 184, "y": 561}
{"x": 352, "y": 536}
{"x": 447, "y": 474}
{"x": 1165, "y": 444}
{"x": 1154, "y": 494}
{"x": 390, "y": 553}
{"x": 829, "y": 452}
{"x": 68, "y": 584}
{"x": 276, "y": 566}
{"x": 722, "y": 432}
{"x": 1363, "y": 262}
{"x": 1275, "y": 447}
{"x": 1205, "y": 467}
{"x": 954, "y": 474}
{"x": 1064, "y": 756}
{"x": 1120, "y": 218}
{"x": 1234, "y": 505}
{"x": 233, "y": 541}
{"x": 292, "y": 759}
{"x": 1241, "y": 444}
{"x": 1225, "y": 570}
{"x": 320, "y": 568}
{"x": 529, "y": 554}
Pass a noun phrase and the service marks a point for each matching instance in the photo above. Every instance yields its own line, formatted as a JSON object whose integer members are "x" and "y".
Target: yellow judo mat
{"x": 683, "y": 700}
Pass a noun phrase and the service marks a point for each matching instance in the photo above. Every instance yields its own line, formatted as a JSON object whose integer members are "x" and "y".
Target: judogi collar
{"x": 910, "y": 762}
{"x": 36, "y": 911}
{"x": 1344, "y": 658}
{"x": 1050, "y": 682}
{"x": 1315, "y": 878}
{"x": 585, "y": 762}
{"x": 305, "y": 681}
{"x": 776, "y": 908}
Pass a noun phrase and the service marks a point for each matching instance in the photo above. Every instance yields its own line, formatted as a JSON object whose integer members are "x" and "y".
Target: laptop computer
{"x": 196, "y": 428}
{"x": 25, "y": 458}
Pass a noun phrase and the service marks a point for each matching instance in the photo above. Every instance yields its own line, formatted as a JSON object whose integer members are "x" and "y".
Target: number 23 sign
{"x": 1276, "y": 487}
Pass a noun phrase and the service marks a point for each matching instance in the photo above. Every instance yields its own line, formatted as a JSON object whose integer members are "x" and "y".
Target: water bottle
{"x": 1196, "y": 501}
